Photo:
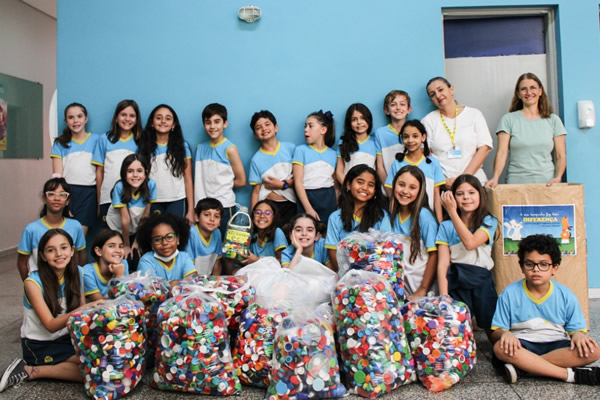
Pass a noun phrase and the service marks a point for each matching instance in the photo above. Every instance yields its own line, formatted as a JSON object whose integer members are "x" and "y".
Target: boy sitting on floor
{"x": 535, "y": 317}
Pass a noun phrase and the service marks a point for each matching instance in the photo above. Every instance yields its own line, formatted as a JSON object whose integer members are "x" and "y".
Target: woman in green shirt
{"x": 529, "y": 135}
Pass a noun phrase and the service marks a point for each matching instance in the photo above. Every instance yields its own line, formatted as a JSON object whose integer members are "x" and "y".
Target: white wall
{"x": 27, "y": 51}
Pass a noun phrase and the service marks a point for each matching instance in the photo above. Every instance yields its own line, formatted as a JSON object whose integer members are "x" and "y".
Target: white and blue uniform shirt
{"x": 214, "y": 174}
{"x": 413, "y": 273}
{"x": 277, "y": 164}
{"x": 434, "y": 176}
{"x": 203, "y": 252}
{"x": 135, "y": 206}
{"x": 168, "y": 186}
{"x": 32, "y": 328}
{"x": 94, "y": 282}
{"x": 336, "y": 232}
{"x": 551, "y": 318}
{"x": 33, "y": 232}
{"x": 366, "y": 154}
{"x": 481, "y": 256}
{"x": 182, "y": 266}
{"x": 389, "y": 143}
{"x": 319, "y": 166}
{"x": 320, "y": 253}
{"x": 110, "y": 156}
{"x": 77, "y": 160}
{"x": 268, "y": 248}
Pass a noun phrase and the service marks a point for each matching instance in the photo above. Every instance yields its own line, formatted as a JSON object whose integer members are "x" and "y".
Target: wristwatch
{"x": 285, "y": 185}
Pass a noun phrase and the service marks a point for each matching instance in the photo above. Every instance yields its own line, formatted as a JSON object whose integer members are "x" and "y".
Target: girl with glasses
{"x": 162, "y": 238}
{"x": 267, "y": 239}
{"x": 56, "y": 196}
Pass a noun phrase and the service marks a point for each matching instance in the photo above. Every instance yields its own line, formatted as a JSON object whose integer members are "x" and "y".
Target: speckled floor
{"x": 481, "y": 383}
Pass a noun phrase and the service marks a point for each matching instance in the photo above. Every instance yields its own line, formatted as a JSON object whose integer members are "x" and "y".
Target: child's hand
{"x": 509, "y": 343}
{"x": 295, "y": 241}
{"x": 419, "y": 293}
{"x": 127, "y": 251}
{"x": 272, "y": 183}
{"x": 191, "y": 217}
{"x": 313, "y": 214}
{"x": 585, "y": 344}
{"x": 118, "y": 270}
{"x": 248, "y": 259}
{"x": 448, "y": 201}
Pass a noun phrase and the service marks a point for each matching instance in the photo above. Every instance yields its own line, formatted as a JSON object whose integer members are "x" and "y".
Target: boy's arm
{"x": 254, "y": 196}
{"x": 584, "y": 344}
{"x": 509, "y": 343}
{"x": 236, "y": 165}
{"x": 189, "y": 192}
{"x": 381, "y": 170}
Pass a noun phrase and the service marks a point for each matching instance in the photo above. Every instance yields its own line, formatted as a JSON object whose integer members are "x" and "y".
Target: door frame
{"x": 549, "y": 14}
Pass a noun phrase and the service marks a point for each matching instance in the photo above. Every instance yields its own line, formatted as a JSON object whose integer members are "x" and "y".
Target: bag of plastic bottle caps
{"x": 237, "y": 238}
{"x": 193, "y": 353}
{"x": 234, "y": 293}
{"x": 110, "y": 342}
{"x": 373, "y": 347}
{"x": 305, "y": 363}
{"x": 441, "y": 339}
{"x": 253, "y": 352}
{"x": 375, "y": 251}
{"x": 151, "y": 291}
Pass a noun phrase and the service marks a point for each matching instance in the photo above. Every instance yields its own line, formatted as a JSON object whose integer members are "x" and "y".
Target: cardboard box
{"x": 558, "y": 210}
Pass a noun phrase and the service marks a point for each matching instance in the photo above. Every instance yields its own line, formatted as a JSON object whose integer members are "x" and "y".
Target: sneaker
{"x": 587, "y": 375}
{"x": 14, "y": 375}
{"x": 511, "y": 374}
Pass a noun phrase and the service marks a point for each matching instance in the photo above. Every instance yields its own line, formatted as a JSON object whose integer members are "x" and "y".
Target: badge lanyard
{"x": 453, "y": 132}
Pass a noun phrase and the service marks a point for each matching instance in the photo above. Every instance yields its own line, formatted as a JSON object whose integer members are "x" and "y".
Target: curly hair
{"x": 543, "y": 244}
{"x": 179, "y": 225}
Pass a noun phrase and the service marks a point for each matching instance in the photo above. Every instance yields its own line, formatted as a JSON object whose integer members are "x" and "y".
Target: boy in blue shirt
{"x": 271, "y": 167}
{"x": 538, "y": 325}
{"x": 218, "y": 167}
{"x": 204, "y": 245}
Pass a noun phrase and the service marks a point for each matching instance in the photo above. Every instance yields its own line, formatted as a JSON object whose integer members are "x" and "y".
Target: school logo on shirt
{"x": 48, "y": 359}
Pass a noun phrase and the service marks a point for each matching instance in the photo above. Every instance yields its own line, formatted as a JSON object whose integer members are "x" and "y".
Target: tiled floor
{"x": 481, "y": 383}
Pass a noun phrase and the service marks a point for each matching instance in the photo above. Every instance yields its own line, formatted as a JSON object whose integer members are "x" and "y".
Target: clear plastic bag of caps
{"x": 233, "y": 291}
{"x": 305, "y": 363}
{"x": 237, "y": 238}
{"x": 441, "y": 339}
{"x": 151, "y": 291}
{"x": 110, "y": 342}
{"x": 193, "y": 353}
{"x": 253, "y": 351}
{"x": 375, "y": 251}
{"x": 374, "y": 350}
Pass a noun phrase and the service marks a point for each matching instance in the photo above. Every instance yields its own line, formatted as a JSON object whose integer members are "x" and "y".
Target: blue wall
{"x": 301, "y": 56}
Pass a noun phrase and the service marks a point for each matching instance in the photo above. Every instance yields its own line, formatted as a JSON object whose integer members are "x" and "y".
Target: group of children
{"x": 319, "y": 196}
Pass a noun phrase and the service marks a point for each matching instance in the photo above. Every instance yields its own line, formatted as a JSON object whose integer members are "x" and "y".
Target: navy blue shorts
{"x": 51, "y": 352}
{"x": 176, "y": 207}
{"x": 83, "y": 204}
{"x": 539, "y": 348}
{"x": 103, "y": 211}
{"x": 323, "y": 201}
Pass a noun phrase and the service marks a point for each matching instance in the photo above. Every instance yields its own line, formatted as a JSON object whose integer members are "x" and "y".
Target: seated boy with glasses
{"x": 538, "y": 325}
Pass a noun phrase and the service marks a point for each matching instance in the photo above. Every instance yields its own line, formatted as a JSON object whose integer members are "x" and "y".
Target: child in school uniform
{"x": 538, "y": 325}
{"x": 120, "y": 141}
{"x": 56, "y": 195}
{"x": 204, "y": 245}
{"x": 71, "y": 156}
{"x": 218, "y": 167}
{"x": 314, "y": 167}
{"x": 51, "y": 294}
{"x": 108, "y": 251}
{"x": 162, "y": 238}
{"x": 396, "y": 106}
{"x": 271, "y": 167}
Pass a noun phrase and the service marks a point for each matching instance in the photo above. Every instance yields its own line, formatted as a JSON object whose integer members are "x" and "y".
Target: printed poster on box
{"x": 558, "y": 221}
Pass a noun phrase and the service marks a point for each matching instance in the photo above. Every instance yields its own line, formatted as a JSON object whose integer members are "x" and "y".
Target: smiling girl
{"x": 306, "y": 241}
{"x": 71, "y": 157}
{"x": 171, "y": 163}
{"x": 112, "y": 148}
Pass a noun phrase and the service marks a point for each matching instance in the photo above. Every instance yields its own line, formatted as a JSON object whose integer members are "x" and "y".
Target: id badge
{"x": 454, "y": 153}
